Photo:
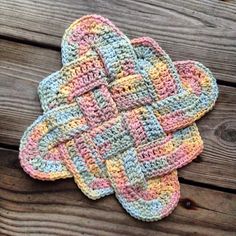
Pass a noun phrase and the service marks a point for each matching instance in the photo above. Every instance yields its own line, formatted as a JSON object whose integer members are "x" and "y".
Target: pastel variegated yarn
{"x": 118, "y": 117}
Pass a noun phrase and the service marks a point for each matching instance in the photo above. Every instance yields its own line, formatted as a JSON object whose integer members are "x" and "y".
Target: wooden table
{"x": 30, "y": 35}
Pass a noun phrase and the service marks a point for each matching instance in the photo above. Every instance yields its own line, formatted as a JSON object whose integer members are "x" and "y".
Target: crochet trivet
{"x": 114, "y": 114}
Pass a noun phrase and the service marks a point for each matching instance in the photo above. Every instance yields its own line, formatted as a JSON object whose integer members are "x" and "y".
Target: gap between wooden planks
{"x": 32, "y": 206}
{"x": 23, "y": 66}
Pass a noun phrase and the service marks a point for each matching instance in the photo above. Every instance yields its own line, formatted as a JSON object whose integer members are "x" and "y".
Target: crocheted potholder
{"x": 111, "y": 113}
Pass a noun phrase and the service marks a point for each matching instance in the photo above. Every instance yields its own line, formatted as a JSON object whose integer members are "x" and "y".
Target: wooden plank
{"x": 23, "y": 66}
{"x": 29, "y": 206}
{"x": 200, "y": 30}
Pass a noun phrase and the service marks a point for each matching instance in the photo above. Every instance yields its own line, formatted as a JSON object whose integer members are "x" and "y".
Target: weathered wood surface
{"x": 200, "y": 30}
{"x": 30, "y": 35}
{"x": 31, "y": 206}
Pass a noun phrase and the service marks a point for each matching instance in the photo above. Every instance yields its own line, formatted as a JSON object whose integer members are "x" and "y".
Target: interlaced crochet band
{"x": 119, "y": 117}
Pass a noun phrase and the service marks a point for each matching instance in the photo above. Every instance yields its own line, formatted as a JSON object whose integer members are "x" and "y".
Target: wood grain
{"x": 23, "y": 66}
{"x": 31, "y": 207}
{"x": 200, "y": 30}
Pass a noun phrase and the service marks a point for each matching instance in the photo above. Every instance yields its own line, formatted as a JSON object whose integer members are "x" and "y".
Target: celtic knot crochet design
{"x": 119, "y": 117}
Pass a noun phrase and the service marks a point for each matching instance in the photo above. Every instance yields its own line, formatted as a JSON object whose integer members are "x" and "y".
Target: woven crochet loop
{"x": 64, "y": 134}
{"x": 60, "y": 134}
{"x": 174, "y": 107}
{"x": 113, "y": 108}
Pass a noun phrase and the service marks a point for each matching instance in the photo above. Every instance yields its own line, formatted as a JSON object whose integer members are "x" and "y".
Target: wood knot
{"x": 227, "y": 131}
{"x": 188, "y": 204}
{"x": 198, "y": 159}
